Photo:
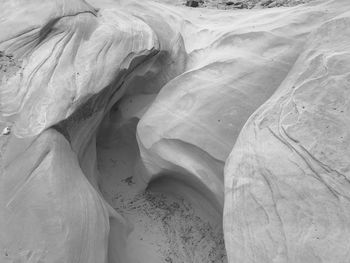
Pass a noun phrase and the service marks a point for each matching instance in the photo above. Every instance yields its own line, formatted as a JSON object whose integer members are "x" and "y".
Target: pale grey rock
{"x": 137, "y": 127}
{"x": 287, "y": 178}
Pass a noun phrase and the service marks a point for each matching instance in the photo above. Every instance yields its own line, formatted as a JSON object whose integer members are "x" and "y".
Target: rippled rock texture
{"x": 141, "y": 132}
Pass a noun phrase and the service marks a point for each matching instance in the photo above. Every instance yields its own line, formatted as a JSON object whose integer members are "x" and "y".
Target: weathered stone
{"x": 141, "y": 132}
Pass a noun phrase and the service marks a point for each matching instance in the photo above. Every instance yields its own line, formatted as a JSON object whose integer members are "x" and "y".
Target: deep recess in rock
{"x": 172, "y": 222}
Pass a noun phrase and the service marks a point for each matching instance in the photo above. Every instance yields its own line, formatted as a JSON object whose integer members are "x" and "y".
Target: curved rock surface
{"x": 287, "y": 177}
{"x": 133, "y": 129}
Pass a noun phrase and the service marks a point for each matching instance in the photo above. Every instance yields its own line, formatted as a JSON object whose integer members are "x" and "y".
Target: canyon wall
{"x": 144, "y": 132}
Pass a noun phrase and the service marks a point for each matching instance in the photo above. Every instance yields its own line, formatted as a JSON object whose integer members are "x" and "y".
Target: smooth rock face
{"x": 287, "y": 178}
{"x": 134, "y": 129}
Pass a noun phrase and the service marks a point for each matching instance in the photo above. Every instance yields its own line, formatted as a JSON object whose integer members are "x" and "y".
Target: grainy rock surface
{"x": 144, "y": 132}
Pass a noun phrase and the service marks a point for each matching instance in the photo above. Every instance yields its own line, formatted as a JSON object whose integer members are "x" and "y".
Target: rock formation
{"x": 136, "y": 131}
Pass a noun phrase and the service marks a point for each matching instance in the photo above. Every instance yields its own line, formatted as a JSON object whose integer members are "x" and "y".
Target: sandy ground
{"x": 171, "y": 222}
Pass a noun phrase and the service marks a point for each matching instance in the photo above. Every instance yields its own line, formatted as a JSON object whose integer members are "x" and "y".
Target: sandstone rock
{"x": 138, "y": 127}
{"x": 274, "y": 154}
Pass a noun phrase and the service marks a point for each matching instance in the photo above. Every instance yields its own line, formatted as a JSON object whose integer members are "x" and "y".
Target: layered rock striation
{"x": 136, "y": 128}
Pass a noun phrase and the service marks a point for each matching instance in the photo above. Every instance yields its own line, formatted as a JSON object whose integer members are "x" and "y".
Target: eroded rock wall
{"x": 287, "y": 177}
{"x": 176, "y": 87}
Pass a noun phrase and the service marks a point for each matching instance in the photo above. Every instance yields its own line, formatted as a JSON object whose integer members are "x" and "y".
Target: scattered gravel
{"x": 243, "y": 4}
{"x": 9, "y": 65}
{"x": 186, "y": 232}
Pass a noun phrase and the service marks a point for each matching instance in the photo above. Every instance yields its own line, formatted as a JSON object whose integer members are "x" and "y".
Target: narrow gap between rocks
{"x": 171, "y": 221}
